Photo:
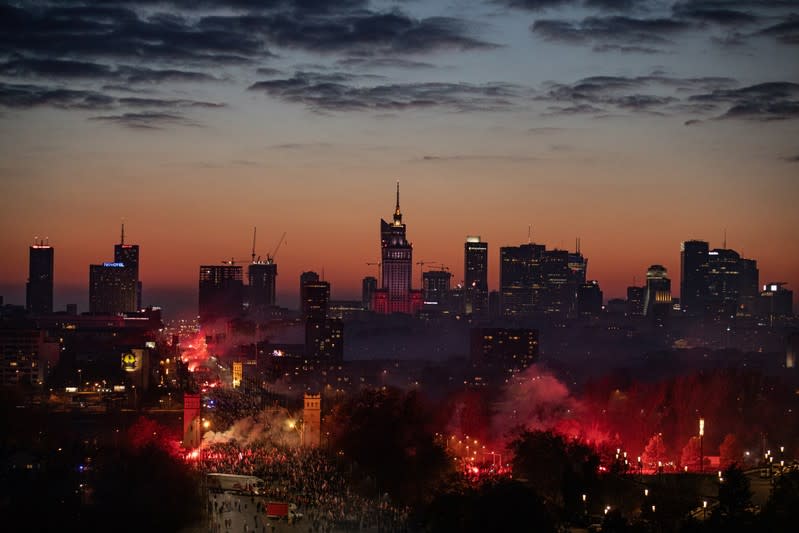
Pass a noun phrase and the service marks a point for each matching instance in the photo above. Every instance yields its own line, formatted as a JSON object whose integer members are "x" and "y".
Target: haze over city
{"x": 632, "y": 125}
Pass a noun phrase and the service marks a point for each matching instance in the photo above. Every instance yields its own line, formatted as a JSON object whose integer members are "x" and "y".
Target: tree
{"x": 691, "y": 453}
{"x": 781, "y": 512}
{"x": 389, "y": 435}
{"x": 730, "y": 451}
{"x": 735, "y": 500}
{"x": 559, "y": 470}
{"x": 655, "y": 452}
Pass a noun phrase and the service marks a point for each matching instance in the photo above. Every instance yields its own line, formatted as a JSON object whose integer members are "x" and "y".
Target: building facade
{"x": 39, "y": 289}
{"x": 396, "y": 255}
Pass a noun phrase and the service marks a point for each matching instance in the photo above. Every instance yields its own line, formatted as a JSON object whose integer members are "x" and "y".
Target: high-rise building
{"x": 396, "y": 294}
{"x": 693, "y": 276}
{"x": 520, "y": 279}
{"x": 435, "y": 288}
{"x": 262, "y": 278}
{"x": 112, "y": 288}
{"x": 748, "y": 287}
{"x": 221, "y": 290}
{"x": 635, "y": 301}
{"x": 368, "y": 288}
{"x": 314, "y": 296}
{"x": 39, "y": 289}
{"x": 589, "y": 299}
{"x": 128, "y": 255}
{"x": 657, "y": 294}
{"x": 723, "y": 282}
{"x": 475, "y": 276}
{"x": 776, "y": 301}
{"x": 511, "y": 350}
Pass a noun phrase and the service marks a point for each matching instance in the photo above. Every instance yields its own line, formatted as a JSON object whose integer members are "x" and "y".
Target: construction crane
{"x": 378, "y": 269}
{"x": 270, "y": 258}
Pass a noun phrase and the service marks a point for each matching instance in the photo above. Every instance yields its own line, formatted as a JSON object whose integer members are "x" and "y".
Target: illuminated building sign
{"x": 114, "y": 265}
{"x": 131, "y": 361}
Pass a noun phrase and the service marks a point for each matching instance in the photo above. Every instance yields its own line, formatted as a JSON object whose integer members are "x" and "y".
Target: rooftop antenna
{"x": 254, "y": 229}
{"x": 578, "y": 245}
{"x": 122, "y": 236}
{"x": 725, "y": 239}
{"x": 529, "y": 234}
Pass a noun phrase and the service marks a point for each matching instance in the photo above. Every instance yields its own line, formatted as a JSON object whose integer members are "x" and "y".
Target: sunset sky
{"x": 634, "y": 125}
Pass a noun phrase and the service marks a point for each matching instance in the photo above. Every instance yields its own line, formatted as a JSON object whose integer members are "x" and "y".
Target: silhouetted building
{"x": 723, "y": 277}
{"x": 511, "y": 350}
{"x": 635, "y": 301}
{"x": 395, "y": 294}
{"x": 324, "y": 339}
{"x": 221, "y": 292}
{"x": 368, "y": 288}
{"x": 776, "y": 301}
{"x": 748, "y": 287}
{"x": 39, "y": 289}
{"x": 657, "y": 295}
{"x": 475, "y": 276}
{"x": 589, "y": 299}
{"x": 128, "y": 255}
{"x": 693, "y": 276}
{"x": 435, "y": 288}
{"x": 112, "y": 288}
{"x": 314, "y": 296}
{"x": 262, "y": 279}
{"x": 520, "y": 279}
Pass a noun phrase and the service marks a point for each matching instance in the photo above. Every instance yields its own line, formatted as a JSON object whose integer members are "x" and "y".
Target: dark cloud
{"x": 786, "y": 32}
{"x": 383, "y": 62}
{"x": 147, "y": 75}
{"x": 764, "y": 101}
{"x": 653, "y": 94}
{"x": 792, "y": 158}
{"x": 477, "y": 157}
{"x": 167, "y": 102}
{"x": 55, "y": 68}
{"x": 337, "y": 92}
{"x": 539, "y": 5}
{"x": 363, "y": 33}
{"x": 150, "y": 120}
{"x": 611, "y": 30}
{"x": 577, "y": 109}
{"x": 24, "y": 96}
{"x": 712, "y": 12}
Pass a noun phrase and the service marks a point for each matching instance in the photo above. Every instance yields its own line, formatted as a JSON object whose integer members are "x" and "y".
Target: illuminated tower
{"x": 657, "y": 294}
{"x": 395, "y": 294}
{"x": 39, "y": 289}
{"x": 128, "y": 255}
{"x": 475, "y": 276}
{"x": 312, "y": 421}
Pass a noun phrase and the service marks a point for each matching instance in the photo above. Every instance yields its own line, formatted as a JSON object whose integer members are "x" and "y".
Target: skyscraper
{"x": 435, "y": 288}
{"x": 128, "y": 255}
{"x": 723, "y": 282}
{"x": 262, "y": 279}
{"x": 520, "y": 280}
{"x": 314, "y": 296}
{"x": 39, "y": 289}
{"x": 475, "y": 276}
{"x": 395, "y": 295}
{"x": 112, "y": 288}
{"x": 657, "y": 294}
{"x": 589, "y": 299}
{"x": 368, "y": 288}
{"x": 221, "y": 290}
{"x": 693, "y": 276}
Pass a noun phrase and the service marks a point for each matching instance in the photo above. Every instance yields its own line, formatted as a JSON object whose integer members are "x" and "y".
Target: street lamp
{"x": 701, "y": 445}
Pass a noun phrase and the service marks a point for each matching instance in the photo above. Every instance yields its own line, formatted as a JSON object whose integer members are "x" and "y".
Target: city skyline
{"x": 287, "y": 292}
{"x": 631, "y": 125}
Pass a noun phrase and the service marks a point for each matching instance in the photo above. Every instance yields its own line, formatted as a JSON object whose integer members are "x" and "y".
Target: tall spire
{"x": 122, "y": 236}
{"x": 397, "y": 212}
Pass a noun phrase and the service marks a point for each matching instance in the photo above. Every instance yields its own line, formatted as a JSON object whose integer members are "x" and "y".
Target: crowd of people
{"x": 308, "y": 478}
